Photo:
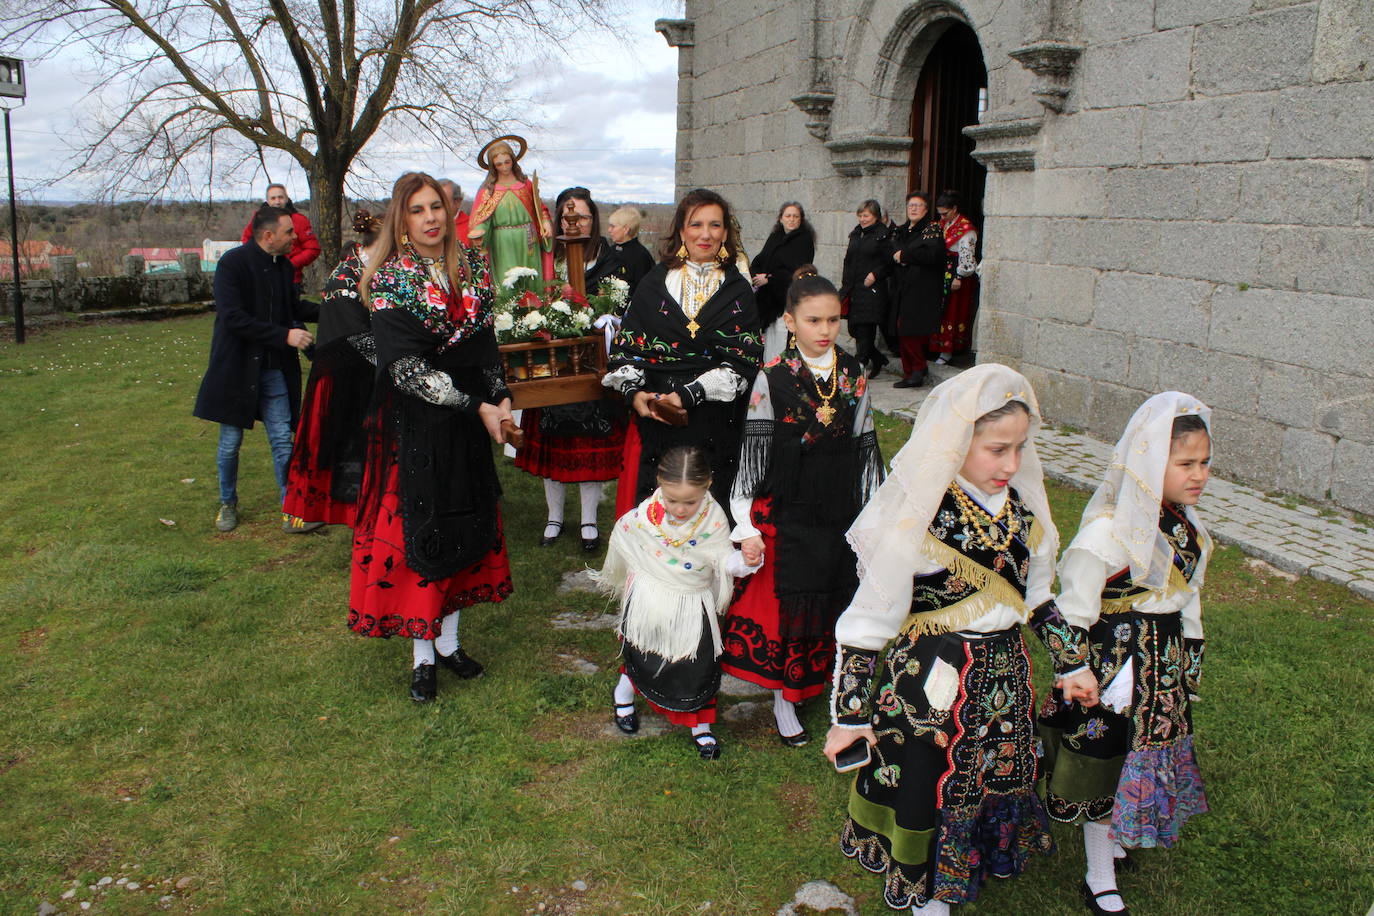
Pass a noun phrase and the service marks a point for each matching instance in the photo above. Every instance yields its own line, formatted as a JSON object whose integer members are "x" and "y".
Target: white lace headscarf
{"x": 1133, "y": 488}
{"x": 924, "y": 468}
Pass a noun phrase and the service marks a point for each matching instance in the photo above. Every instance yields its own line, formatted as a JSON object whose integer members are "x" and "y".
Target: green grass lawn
{"x": 187, "y": 705}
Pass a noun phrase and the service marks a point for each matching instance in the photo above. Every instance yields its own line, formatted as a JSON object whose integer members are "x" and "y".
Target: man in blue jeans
{"x": 254, "y": 371}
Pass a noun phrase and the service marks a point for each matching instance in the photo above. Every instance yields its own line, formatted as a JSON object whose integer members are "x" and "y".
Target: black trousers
{"x": 865, "y": 344}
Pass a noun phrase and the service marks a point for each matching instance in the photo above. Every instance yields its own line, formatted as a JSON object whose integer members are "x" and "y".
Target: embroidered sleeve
{"x": 495, "y": 378}
{"x": 1192, "y": 674}
{"x": 366, "y": 345}
{"x": 414, "y": 376}
{"x": 628, "y": 380}
{"x": 719, "y": 384}
{"x": 966, "y": 245}
{"x": 1067, "y": 645}
{"x": 851, "y": 694}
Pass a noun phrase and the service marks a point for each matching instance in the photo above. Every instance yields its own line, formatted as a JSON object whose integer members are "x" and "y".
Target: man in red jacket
{"x": 460, "y": 218}
{"x": 306, "y": 247}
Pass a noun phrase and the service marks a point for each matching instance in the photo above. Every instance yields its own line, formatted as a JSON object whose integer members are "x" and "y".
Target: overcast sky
{"x": 608, "y": 125}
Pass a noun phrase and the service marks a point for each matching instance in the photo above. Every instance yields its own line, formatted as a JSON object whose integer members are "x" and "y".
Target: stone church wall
{"x": 1180, "y": 194}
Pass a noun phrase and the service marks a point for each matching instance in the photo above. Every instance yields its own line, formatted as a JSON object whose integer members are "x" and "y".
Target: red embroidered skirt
{"x": 309, "y": 486}
{"x": 956, "y": 327}
{"x": 751, "y": 634}
{"x": 388, "y": 598}
{"x": 570, "y": 459}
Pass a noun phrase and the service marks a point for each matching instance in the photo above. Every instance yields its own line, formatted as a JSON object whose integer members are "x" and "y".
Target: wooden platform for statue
{"x": 544, "y": 373}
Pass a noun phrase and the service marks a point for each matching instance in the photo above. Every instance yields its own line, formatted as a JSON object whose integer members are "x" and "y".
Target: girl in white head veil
{"x": 931, "y": 667}
{"x": 1132, "y": 578}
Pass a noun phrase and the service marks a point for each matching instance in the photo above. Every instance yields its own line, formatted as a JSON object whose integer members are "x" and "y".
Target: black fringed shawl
{"x": 818, "y": 477}
{"x": 447, "y": 478}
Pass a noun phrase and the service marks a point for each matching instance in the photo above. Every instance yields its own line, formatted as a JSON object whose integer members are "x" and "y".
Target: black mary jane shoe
{"x": 707, "y": 745}
{"x": 424, "y": 684}
{"x": 548, "y": 539}
{"x": 1091, "y": 900}
{"x": 593, "y": 543}
{"x": 800, "y": 739}
{"x": 461, "y": 664}
{"x": 628, "y": 723}
{"x": 1127, "y": 863}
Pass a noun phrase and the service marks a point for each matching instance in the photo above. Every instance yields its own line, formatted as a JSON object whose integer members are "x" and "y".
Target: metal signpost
{"x": 12, "y": 87}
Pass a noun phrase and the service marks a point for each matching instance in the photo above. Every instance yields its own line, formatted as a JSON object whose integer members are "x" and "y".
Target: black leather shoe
{"x": 1127, "y": 863}
{"x": 800, "y": 739}
{"x": 424, "y": 684}
{"x": 548, "y": 539}
{"x": 593, "y": 543}
{"x": 707, "y": 745}
{"x": 629, "y": 723}
{"x": 908, "y": 382}
{"x": 460, "y": 664}
{"x": 1091, "y": 900}
{"x": 919, "y": 379}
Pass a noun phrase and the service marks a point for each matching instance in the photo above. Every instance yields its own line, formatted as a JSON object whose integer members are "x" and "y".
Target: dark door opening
{"x": 950, "y": 93}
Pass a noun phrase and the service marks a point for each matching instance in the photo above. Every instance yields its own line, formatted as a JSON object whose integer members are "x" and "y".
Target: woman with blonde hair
{"x": 428, "y": 537}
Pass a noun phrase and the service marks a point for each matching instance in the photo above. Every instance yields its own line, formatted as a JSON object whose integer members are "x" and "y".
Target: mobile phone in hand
{"x": 852, "y": 757}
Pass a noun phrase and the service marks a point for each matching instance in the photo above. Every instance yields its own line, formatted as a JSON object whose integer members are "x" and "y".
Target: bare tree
{"x": 214, "y": 83}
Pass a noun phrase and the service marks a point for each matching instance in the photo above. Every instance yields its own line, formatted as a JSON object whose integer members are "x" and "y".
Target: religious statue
{"x": 508, "y": 219}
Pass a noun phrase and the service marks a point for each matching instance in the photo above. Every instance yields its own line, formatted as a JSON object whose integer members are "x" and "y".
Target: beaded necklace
{"x": 984, "y": 525}
{"x": 691, "y": 532}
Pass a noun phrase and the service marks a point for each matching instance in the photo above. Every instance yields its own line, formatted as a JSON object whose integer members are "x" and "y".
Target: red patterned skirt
{"x": 310, "y": 486}
{"x": 956, "y": 326}
{"x": 751, "y": 633}
{"x": 570, "y": 459}
{"x": 388, "y": 598}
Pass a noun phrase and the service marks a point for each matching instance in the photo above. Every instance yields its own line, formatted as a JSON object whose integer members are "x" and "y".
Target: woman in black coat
{"x": 867, "y": 263}
{"x": 791, "y": 244}
{"x": 919, "y": 285}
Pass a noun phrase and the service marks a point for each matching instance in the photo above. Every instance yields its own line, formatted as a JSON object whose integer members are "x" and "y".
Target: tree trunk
{"x": 326, "y": 198}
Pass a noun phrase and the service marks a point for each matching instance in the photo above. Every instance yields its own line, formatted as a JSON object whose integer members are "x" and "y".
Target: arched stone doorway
{"x": 950, "y": 94}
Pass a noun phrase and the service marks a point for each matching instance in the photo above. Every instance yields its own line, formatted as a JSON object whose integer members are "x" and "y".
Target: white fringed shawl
{"x": 665, "y": 591}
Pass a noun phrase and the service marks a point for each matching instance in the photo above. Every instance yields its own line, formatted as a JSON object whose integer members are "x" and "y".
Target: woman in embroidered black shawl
{"x": 326, "y": 466}
{"x": 808, "y": 463}
{"x": 428, "y": 538}
{"x": 688, "y": 351}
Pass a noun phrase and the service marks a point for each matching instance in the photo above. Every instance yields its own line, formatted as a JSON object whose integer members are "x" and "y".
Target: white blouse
{"x": 869, "y": 621}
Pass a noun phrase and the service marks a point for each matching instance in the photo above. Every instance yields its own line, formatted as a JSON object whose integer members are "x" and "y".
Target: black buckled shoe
{"x": 800, "y": 739}
{"x": 1126, "y": 863}
{"x": 548, "y": 539}
{"x": 627, "y": 722}
{"x": 707, "y": 745}
{"x": 424, "y": 684}
{"x": 1091, "y": 900}
{"x": 460, "y": 663}
{"x": 593, "y": 543}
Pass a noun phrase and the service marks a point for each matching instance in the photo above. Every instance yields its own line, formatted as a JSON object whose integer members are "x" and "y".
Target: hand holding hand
{"x": 1081, "y": 687}
{"x": 752, "y": 548}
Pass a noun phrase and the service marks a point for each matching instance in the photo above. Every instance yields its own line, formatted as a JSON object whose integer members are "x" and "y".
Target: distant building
{"x": 162, "y": 258}
{"x": 211, "y": 251}
{"x": 33, "y": 256}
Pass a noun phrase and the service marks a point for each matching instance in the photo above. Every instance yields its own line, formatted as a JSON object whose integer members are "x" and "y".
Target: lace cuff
{"x": 1067, "y": 644}
{"x": 366, "y": 345}
{"x": 495, "y": 378}
{"x": 628, "y": 380}
{"x": 850, "y": 697}
{"x": 719, "y": 384}
{"x": 414, "y": 376}
{"x": 1192, "y": 674}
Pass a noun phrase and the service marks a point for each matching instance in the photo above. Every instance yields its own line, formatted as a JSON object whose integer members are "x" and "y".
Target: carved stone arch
{"x": 884, "y": 53}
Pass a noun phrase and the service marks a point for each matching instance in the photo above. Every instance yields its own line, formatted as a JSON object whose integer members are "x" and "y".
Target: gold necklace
{"x": 678, "y": 542}
{"x": 983, "y": 525}
{"x": 696, "y": 292}
{"x": 825, "y": 413}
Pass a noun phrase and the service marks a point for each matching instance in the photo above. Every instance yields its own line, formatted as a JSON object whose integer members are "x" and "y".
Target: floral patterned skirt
{"x": 388, "y": 598}
{"x": 949, "y": 797}
{"x": 1137, "y": 767}
{"x": 571, "y": 458}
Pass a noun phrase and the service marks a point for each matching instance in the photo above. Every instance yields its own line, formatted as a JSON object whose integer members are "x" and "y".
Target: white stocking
{"x": 932, "y": 908}
{"x": 447, "y": 643}
{"x": 786, "y": 715}
{"x": 624, "y": 691}
{"x": 1101, "y": 876}
{"x": 424, "y": 651}
{"x": 591, "y": 498}
{"x": 553, "y": 496}
{"x": 703, "y": 729}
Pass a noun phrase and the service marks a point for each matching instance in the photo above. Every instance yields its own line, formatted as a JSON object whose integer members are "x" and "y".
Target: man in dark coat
{"x": 254, "y": 371}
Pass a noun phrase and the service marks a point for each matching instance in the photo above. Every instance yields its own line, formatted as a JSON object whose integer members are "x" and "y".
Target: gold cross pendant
{"x": 825, "y": 413}
{"x": 692, "y": 328}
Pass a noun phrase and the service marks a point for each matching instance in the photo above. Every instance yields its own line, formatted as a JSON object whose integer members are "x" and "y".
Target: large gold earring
{"x": 682, "y": 251}
{"x": 722, "y": 256}
{"x": 791, "y": 341}
{"x": 405, "y": 239}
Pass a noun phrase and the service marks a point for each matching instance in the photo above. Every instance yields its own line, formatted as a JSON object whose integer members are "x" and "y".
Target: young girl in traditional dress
{"x": 1132, "y": 578}
{"x": 671, "y": 562}
{"x": 808, "y": 463}
{"x": 956, "y": 551}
